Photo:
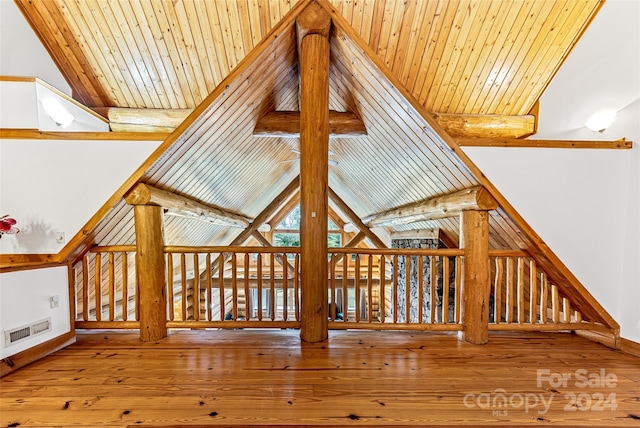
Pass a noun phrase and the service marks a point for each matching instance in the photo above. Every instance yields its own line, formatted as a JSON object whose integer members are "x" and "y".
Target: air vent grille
{"x": 15, "y": 335}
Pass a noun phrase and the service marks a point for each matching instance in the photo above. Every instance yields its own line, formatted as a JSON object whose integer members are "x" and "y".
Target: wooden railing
{"x": 394, "y": 289}
{"x": 245, "y": 287}
{"x": 523, "y": 298}
{"x": 106, "y": 294}
{"x": 259, "y": 287}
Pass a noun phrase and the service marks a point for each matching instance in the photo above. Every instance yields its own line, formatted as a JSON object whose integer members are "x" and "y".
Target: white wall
{"x": 25, "y": 299}
{"x": 56, "y": 186}
{"x": 586, "y": 203}
{"x": 22, "y": 52}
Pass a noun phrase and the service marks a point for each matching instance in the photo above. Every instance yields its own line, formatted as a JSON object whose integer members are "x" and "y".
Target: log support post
{"x": 476, "y": 279}
{"x": 313, "y": 27}
{"x": 150, "y": 272}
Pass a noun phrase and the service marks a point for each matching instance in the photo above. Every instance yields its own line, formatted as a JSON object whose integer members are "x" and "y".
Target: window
{"x": 287, "y": 233}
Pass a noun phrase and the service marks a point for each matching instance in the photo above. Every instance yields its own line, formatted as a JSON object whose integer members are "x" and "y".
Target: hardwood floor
{"x": 248, "y": 377}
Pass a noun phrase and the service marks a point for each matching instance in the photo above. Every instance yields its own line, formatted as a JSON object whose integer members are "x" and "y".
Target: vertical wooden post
{"x": 476, "y": 280}
{"x": 313, "y": 41}
{"x": 150, "y": 271}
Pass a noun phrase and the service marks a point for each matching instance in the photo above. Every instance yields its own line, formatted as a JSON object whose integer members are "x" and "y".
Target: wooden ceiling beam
{"x": 268, "y": 211}
{"x": 287, "y": 124}
{"x": 486, "y": 125}
{"x": 284, "y": 211}
{"x": 355, "y": 219}
{"x": 543, "y": 144}
{"x": 143, "y": 194}
{"x": 341, "y": 124}
{"x": 143, "y": 119}
{"x": 475, "y": 198}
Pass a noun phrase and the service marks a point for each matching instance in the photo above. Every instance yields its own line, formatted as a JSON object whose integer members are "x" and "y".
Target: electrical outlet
{"x": 54, "y": 301}
{"x": 60, "y": 237}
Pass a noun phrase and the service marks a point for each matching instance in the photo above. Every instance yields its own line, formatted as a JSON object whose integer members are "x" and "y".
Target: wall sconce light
{"x": 601, "y": 120}
{"x": 57, "y": 112}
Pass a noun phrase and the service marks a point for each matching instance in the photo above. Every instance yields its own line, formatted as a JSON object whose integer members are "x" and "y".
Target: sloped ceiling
{"x": 453, "y": 56}
{"x": 470, "y": 57}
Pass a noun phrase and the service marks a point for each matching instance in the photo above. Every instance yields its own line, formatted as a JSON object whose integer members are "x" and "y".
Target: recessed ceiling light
{"x": 57, "y": 112}
{"x": 601, "y": 120}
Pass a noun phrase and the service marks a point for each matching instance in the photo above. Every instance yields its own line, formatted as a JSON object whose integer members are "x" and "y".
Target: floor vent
{"x": 15, "y": 335}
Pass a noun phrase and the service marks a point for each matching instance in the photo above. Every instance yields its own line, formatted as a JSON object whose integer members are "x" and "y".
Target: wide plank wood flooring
{"x": 250, "y": 377}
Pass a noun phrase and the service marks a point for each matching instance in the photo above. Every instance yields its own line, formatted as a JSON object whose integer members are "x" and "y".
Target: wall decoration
{"x": 7, "y": 225}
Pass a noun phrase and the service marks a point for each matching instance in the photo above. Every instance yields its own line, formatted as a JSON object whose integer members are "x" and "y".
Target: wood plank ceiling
{"x": 452, "y": 56}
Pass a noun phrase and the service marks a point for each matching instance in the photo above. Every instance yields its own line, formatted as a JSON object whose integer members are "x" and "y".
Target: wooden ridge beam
{"x": 475, "y": 198}
{"x": 144, "y": 194}
{"x": 545, "y": 144}
{"x": 355, "y": 219}
{"x": 486, "y": 125}
{"x": 287, "y": 124}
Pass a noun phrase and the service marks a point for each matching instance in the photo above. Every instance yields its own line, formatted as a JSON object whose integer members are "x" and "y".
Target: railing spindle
{"x": 370, "y": 288}
{"x": 458, "y": 281}
{"x": 332, "y": 273}
{"x": 555, "y": 303}
{"x": 345, "y": 288}
{"x": 85, "y": 288}
{"x": 497, "y": 291}
{"x": 445, "y": 289}
{"x": 234, "y": 285}
{"x": 510, "y": 298}
{"x": 247, "y": 295}
{"x": 420, "y": 289}
{"x": 209, "y": 309}
{"x": 407, "y": 289}
{"x": 296, "y": 281}
{"x": 578, "y": 316}
{"x": 533, "y": 289}
{"x": 396, "y": 305}
{"x": 544, "y": 298}
{"x": 125, "y": 286}
{"x": 383, "y": 270}
{"x": 170, "y": 300}
{"x": 221, "y": 263}
{"x": 432, "y": 289}
{"x": 272, "y": 284}
{"x": 566, "y": 310}
{"x": 521, "y": 297}
{"x": 196, "y": 287}
{"x": 183, "y": 282}
{"x": 285, "y": 288}
{"x": 112, "y": 288}
{"x": 259, "y": 277}
{"x": 356, "y": 284}
{"x": 98, "y": 287}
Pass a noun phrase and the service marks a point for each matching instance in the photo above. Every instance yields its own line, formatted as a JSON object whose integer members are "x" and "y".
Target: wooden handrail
{"x": 231, "y": 249}
{"x": 445, "y": 252}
